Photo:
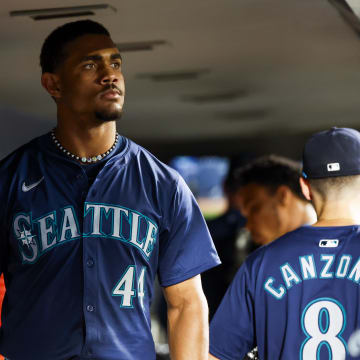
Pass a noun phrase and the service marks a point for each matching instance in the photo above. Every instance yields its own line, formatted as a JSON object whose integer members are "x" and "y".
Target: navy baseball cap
{"x": 334, "y": 152}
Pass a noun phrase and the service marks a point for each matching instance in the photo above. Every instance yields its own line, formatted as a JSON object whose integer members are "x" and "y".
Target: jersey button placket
{"x": 90, "y": 276}
{"x": 90, "y": 262}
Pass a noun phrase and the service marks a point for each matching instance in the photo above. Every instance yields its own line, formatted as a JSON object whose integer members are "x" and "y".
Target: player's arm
{"x": 188, "y": 328}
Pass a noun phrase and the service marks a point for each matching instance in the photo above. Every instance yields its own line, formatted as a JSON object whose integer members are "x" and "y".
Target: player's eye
{"x": 116, "y": 65}
{"x": 89, "y": 66}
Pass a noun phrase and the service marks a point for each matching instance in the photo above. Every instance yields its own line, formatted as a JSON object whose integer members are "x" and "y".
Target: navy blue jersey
{"x": 296, "y": 298}
{"x": 79, "y": 258}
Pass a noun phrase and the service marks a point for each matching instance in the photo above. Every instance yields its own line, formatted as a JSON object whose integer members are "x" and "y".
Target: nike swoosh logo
{"x": 26, "y": 188}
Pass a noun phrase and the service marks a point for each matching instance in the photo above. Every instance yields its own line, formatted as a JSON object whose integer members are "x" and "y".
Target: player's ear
{"x": 305, "y": 188}
{"x": 283, "y": 194}
{"x": 51, "y": 84}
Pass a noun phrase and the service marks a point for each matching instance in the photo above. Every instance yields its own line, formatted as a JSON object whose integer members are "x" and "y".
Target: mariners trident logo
{"x": 27, "y": 238}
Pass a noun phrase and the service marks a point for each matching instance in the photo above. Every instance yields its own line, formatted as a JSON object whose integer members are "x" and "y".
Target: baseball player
{"x": 89, "y": 218}
{"x": 270, "y": 197}
{"x": 297, "y": 297}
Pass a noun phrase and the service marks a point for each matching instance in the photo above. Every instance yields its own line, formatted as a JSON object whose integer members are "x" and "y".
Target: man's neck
{"x": 309, "y": 215}
{"x": 335, "y": 222}
{"x": 338, "y": 213}
{"x": 86, "y": 141}
{"x": 301, "y": 213}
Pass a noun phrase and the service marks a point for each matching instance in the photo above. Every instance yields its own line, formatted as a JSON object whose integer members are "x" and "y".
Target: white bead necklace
{"x": 84, "y": 159}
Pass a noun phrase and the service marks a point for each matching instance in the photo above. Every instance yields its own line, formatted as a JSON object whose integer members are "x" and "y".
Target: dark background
{"x": 221, "y": 77}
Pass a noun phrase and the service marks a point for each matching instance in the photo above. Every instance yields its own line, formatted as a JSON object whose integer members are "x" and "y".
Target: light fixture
{"x": 174, "y": 75}
{"x": 222, "y": 96}
{"x": 140, "y": 45}
{"x": 63, "y": 12}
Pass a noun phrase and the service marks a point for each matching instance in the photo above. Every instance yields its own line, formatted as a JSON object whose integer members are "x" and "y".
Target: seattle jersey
{"x": 80, "y": 256}
{"x": 296, "y": 298}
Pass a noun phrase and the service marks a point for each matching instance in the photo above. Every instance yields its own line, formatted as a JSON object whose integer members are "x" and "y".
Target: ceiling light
{"x": 63, "y": 12}
{"x": 244, "y": 115}
{"x": 215, "y": 97}
{"x": 140, "y": 45}
{"x": 174, "y": 75}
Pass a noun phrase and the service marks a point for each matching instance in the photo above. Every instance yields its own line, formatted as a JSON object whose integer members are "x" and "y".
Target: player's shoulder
{"x": 14, "y": 159}
{"x": 149, "y": 164}
{"x": 305, "y": 239}
{"x": 308, "y": 235}
{"x": 258, "y": 263}
{"x": 288, "y": 238}
{"x": 14, "y": 164}
{"x": 282, "y": 245}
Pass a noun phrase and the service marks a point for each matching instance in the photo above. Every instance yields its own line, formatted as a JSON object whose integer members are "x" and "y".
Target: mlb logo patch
{"x": 333, "y": 167}
{"x": 330, "y": 243}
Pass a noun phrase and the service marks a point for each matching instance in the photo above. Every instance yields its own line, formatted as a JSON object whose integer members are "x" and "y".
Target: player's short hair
{"x": 325, "y": 187}
{"x": 272, "y": 171}
{"x": 230, "y": 183}
{"x": 53, "y": 50}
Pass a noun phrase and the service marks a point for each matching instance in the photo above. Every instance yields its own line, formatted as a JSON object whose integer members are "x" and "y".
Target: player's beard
{"x": 114, "y": 112}
{"x": 105, "y": 116}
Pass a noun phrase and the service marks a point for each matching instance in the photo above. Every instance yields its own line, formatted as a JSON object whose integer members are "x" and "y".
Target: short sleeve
{"x": 186, "y": 247}
{"x": 232, "y": 333}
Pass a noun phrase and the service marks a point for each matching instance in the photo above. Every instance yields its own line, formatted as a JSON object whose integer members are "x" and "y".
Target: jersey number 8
{"x": 323, "y": 321}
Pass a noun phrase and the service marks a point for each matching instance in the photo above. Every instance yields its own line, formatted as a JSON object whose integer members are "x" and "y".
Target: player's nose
{"x": 110, "y": 75}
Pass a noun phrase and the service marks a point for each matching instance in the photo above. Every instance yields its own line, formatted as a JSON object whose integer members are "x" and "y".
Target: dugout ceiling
{"x": 201, "y": 76}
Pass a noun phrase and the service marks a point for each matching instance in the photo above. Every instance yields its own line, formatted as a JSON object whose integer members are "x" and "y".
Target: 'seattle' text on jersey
{"x": 58, "y": 227}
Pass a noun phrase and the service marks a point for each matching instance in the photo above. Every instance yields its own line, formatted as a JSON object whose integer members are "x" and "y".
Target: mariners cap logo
{"x": 333, "y": 167}
{"x": 329, "y": 243}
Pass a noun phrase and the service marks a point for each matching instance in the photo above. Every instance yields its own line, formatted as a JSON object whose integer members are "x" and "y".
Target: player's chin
{"x": 108, "y": 111}
{"x": 105, "y": 115}
{"x": 258, "y": 238}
